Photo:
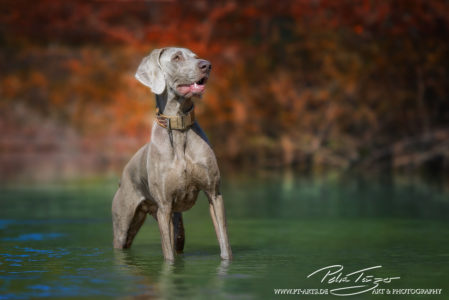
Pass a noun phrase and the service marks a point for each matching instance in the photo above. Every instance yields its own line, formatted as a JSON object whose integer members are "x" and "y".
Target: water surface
{"x": 55, "y": 240}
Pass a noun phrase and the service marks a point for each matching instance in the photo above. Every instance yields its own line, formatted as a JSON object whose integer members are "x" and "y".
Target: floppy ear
{"x": 150, "y": 73}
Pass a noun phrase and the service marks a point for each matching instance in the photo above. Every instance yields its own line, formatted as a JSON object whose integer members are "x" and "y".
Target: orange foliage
{"x": 294, "y": 82}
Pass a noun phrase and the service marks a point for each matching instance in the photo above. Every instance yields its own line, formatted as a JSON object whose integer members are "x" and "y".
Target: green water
{"x": 55, "y": 240}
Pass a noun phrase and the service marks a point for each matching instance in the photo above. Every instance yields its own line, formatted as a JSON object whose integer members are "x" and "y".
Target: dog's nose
{"x": 204, "y": 65}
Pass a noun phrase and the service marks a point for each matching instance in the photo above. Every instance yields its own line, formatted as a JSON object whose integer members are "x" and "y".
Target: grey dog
{"x": 165, "y": 176}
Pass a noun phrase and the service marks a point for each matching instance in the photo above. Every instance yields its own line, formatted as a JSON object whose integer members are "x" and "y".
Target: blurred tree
{"x": 308, "y": 83}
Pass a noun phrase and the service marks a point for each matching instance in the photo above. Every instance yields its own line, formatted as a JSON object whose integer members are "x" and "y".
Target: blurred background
{"x": 304, "y": 85}
{"x": 330, "y": 120}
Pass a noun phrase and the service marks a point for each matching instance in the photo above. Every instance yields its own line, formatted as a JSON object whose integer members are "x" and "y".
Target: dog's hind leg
{"x": 128, "y": 215}
{"x": 179, "y": 234}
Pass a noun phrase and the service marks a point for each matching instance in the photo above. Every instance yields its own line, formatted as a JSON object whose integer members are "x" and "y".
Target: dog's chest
{"x": 192, "y": 170}
{"x": 186, "y": 180}
{"x": 179, "y": 170}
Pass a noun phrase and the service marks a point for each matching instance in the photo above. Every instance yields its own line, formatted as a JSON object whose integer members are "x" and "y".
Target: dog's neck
{"x": 171, "y": 104}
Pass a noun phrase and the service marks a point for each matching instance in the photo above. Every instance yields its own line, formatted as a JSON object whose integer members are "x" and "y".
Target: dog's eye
{"x": 177, "y": 57}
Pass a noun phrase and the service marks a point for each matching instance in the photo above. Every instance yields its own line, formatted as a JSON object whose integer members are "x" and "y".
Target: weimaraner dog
{"x": 165, "y": 176}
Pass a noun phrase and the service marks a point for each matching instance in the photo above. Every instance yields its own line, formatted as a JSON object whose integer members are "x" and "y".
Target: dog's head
{"x": 178, "y": 69}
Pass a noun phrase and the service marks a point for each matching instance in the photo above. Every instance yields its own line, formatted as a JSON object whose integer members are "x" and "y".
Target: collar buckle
{"x": 178, "y": 122}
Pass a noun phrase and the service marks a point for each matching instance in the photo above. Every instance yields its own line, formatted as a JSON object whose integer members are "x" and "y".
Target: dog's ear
{"x": 150, "y": 73}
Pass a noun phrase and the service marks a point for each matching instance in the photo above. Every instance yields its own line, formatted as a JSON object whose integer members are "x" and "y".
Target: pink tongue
{"x": 193, "y": 88}
{"x": 196, "y": 88}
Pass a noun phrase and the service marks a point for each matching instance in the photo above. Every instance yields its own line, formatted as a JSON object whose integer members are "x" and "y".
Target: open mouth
{"x": 202, "y": 81}
{"x": 194, "y": 88}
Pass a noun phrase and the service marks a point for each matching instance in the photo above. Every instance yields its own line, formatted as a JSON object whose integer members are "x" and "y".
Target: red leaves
{"x": 307, "y": 75}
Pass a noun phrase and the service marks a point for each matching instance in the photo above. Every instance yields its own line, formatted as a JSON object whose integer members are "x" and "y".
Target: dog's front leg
{"x": 164, "y": 215}
{"x": 217, "y": 212}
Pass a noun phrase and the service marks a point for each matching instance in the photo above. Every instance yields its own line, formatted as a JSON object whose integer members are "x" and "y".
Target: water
{"x": 55, "y": 240}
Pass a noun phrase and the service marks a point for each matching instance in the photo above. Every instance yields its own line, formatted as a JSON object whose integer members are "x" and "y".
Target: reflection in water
{"x": 128, "y": 263}
{"x": 288, "y": 181}
{"x": 281, "y": 229}
{"x": 337, "y": 196}
{"x": 159, "y": 278}
{"x": 222, "y": 269}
